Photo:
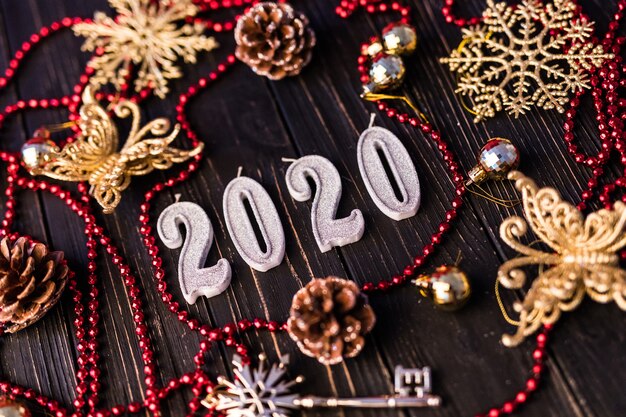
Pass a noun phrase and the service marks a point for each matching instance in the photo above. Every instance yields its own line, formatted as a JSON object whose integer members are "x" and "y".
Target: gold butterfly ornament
{"x": 93, "y": 156}
{"x": 583, "y": 258}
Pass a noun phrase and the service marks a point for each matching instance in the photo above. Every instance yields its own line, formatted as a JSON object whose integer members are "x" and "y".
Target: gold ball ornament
{"x": 373, "y": 48}
{"x": 386, "y": 73}
{"x": 37, "y": 151}
{"x": 10, "y": 408}
{"x": 448, "y": 287}
{"x": 399, "y": 39}
{"x": 496, "y": 159}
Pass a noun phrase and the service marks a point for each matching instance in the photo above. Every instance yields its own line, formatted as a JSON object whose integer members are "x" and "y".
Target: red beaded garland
{"x": 451, "y": 18}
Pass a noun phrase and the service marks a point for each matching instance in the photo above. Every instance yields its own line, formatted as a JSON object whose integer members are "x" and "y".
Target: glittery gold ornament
{"x": 448, "y": 287}
{"x": 515, "y": 59}
{"x": 150, "y": 34}
{"x": 583, "y": 257}
{"x": 93, "y": 156}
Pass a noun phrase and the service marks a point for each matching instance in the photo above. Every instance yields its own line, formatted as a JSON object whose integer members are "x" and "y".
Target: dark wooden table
{"x": 250, "y": 122}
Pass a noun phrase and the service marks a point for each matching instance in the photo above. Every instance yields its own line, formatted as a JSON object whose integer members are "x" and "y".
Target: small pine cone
{"x": 329, "y": 318}
{"x": 274, "y": 40}
{"x": 31, "y": 282}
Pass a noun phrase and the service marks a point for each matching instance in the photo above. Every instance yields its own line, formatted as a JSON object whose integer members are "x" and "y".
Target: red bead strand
{"x": 538, "y": 368}
{"x": 36, "y": 38}
{"x": 451, "y": 18}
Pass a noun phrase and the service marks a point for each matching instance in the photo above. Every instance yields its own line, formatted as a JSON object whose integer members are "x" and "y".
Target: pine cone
{"x": 31, "y": 282}
{"x": 329, "y": 318}
{"x": 274, "y": 40}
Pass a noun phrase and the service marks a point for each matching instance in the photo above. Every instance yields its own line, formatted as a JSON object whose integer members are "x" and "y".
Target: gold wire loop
{"x": 378, "y": 96}
{"x": 53, "y": 128}
{"x": 505, "y": 314}
{"x": 462, "y": 98}
{"x": 212, "y": 399}
{"x": 459, "y": 258}
{"x": 490, "y": 197}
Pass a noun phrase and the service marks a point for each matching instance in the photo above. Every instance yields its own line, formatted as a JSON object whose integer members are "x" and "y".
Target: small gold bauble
{"x": 399, "y": 39}
{"x": 496, "y": 159}
{"x": 37, "y": 151}
{"x": 386, "y": 72}
{"x": 448, "y": 287}
{"x": 373, "y": 48}
{"x": 10, "y": 408}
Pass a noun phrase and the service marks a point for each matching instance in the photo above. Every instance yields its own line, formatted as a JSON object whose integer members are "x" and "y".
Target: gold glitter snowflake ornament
{"x": 146, "y": 35}
{"x": 534, "y": 54}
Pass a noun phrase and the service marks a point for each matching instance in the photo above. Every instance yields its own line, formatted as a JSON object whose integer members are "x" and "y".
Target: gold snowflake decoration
{"x": 146, "y": 36}
{"x": 534, "y": 54}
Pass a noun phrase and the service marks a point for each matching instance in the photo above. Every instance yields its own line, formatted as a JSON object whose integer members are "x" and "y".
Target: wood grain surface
{"x": 248, "y": 121}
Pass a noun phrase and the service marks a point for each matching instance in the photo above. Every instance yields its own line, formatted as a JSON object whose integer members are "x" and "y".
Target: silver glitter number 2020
{"x": 374, "y": 141}
{"x": 240, "y": 226}
{"x": 194, "y": 279}
{"x": 328, "y": 230}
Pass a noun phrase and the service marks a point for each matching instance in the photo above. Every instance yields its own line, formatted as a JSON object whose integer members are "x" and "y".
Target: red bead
{"x": 215, "y": 335}
{"x": 508, "y": 408}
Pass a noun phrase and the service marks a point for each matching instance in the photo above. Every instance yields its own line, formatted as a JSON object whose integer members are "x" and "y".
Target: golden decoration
{"x": 92, "y": 156}
{"x": 145, "y": 33}
{"x": 584, "y": 258}
{"x": 513, "y": 61}
{"x": 12, "y": 408}
{"x": 448, "y": 287}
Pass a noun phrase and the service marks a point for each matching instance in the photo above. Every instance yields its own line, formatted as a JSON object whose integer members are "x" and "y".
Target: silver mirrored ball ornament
{"x": 399, "y": 39}
{"x": 36, "y": 152}
{"x": 496, "y": 159}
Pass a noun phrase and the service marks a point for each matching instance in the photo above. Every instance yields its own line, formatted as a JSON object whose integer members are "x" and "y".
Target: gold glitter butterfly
{"x": 92, "y": 156}
{"x": 584, "y": 261}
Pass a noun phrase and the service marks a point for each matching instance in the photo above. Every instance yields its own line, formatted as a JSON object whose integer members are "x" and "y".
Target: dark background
{"x": 248, "y": 121}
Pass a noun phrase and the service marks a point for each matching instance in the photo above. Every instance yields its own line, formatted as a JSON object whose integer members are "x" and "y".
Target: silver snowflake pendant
{"x": 533, "y": 54}
{"x": 265, "y": 392}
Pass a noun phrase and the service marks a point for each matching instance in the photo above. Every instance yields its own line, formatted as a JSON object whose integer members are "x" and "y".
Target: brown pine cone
{"x": 31, "y": 282}
{"x": 274, "y": 40}
{"x": 329, "y": 318}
